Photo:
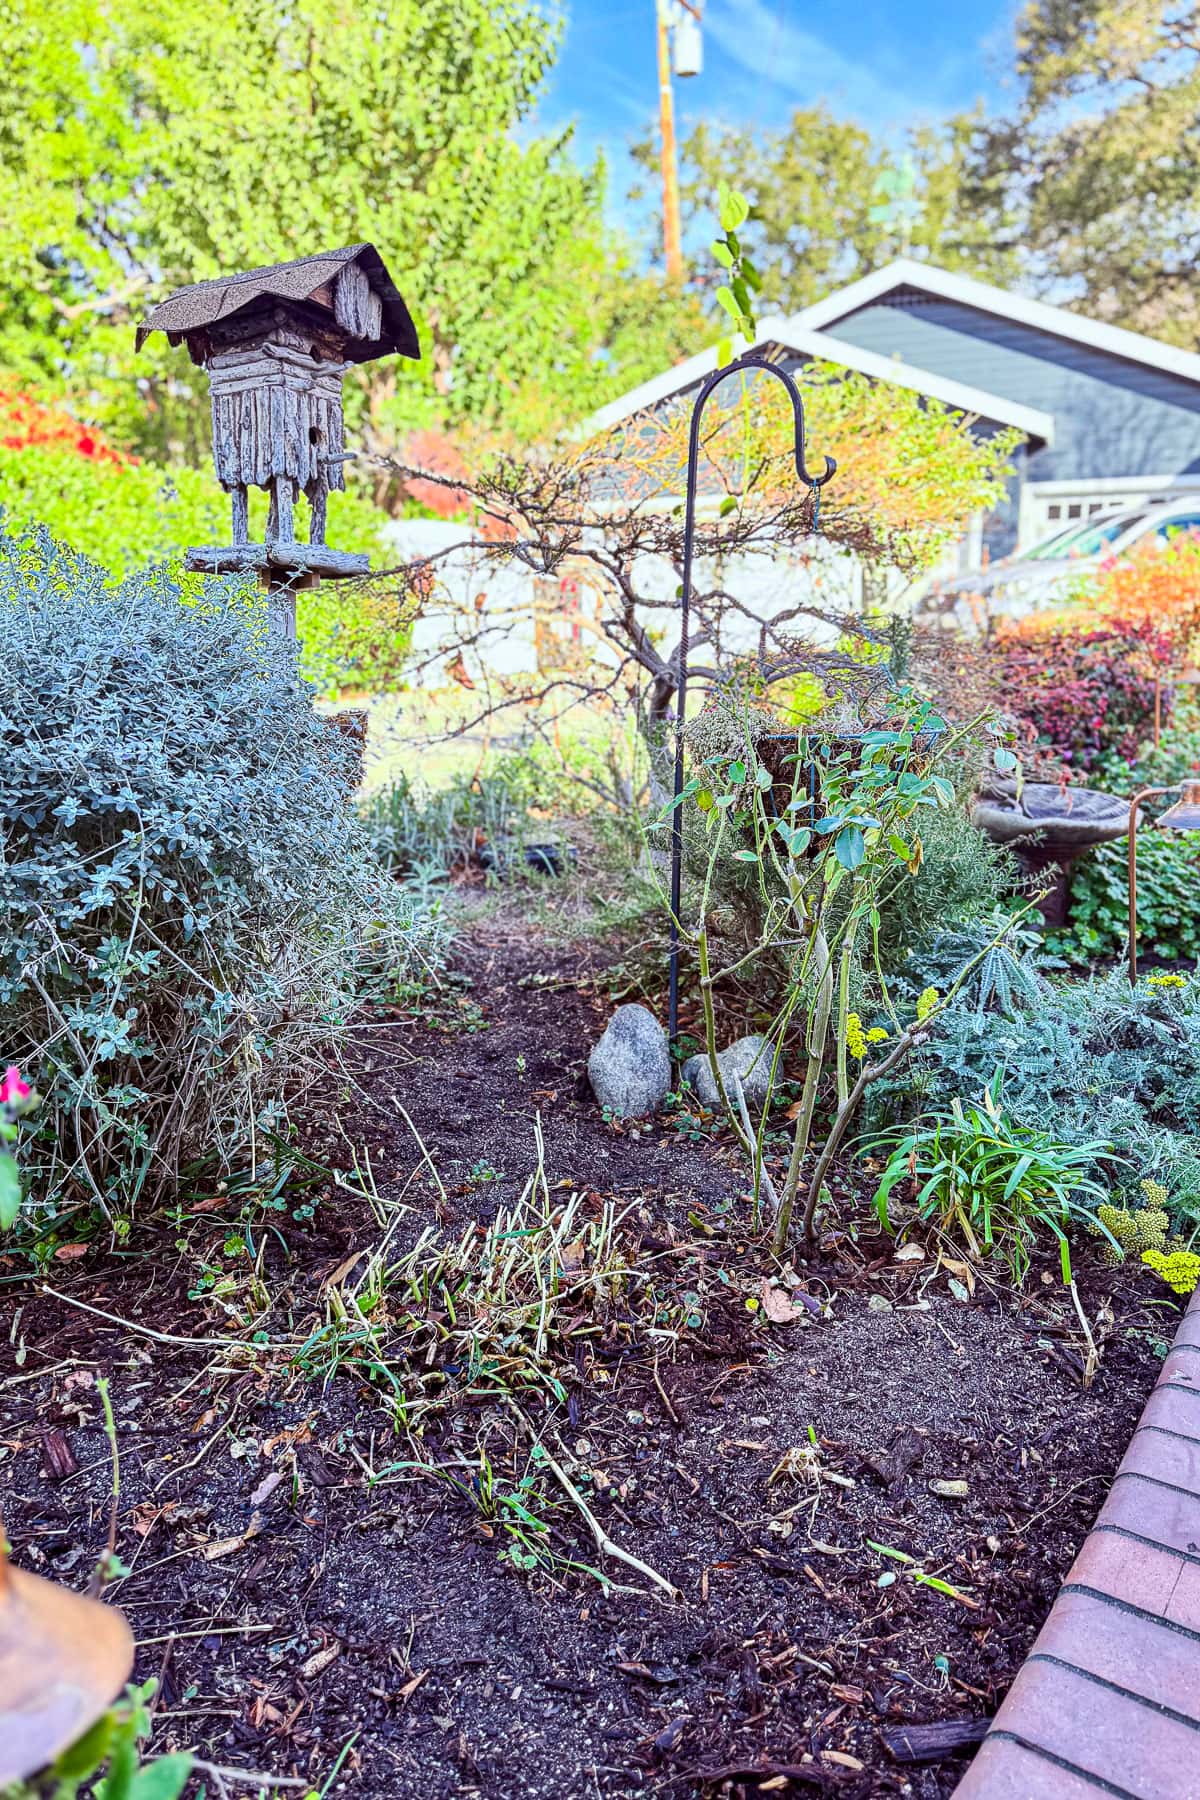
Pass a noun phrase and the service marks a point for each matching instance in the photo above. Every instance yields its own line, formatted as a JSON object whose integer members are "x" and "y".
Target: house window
{"x": 1054, "y": 511}
{"x": 1075, "y": 509}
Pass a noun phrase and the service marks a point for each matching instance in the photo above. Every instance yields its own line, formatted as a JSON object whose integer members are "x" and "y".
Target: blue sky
{"x": 886, "y": 63}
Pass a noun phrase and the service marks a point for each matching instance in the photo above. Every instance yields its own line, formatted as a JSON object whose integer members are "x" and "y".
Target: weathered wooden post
{"x": 276, "y": 343}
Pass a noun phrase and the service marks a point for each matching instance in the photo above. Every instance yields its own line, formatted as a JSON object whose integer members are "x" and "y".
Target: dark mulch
{"x": 288, "y": 1620}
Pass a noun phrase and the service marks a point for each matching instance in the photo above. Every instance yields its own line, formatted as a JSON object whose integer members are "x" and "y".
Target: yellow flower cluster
{"x": 1165, "y": 981}
{"x": 857, "y": 1039}
{"x": 926, "y": 1004}
{"x": 1180, "y": 1269}
{"x": 1145, "y": 1229}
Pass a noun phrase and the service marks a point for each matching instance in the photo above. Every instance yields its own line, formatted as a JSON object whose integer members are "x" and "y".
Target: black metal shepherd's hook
{"x": 816, "y": 482}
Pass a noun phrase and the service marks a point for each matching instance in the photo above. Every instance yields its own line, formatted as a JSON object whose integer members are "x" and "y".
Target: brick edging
{"x": 1108, "y": 1699}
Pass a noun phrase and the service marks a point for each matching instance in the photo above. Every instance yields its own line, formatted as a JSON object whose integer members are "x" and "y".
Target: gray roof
{"x": 191, "y": 309}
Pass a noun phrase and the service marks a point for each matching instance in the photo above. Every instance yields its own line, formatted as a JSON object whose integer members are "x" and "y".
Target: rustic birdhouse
{"x": 276, "y": 344}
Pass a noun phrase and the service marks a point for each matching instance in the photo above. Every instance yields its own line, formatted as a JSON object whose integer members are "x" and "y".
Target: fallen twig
{"x": 219, "y": 1775}
{"x": 607, "y": 1546}
{"x": 160, "y": 1337}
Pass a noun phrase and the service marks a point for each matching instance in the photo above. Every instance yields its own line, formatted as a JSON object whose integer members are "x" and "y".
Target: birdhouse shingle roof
{"x": 192, "y": 309}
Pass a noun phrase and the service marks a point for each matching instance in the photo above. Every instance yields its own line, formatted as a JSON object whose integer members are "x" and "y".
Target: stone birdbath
{"x": 1049, "y": 827}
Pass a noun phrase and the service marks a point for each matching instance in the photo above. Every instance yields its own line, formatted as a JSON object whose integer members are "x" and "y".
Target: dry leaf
{"x": 950, "y": 1490}
{"x": 70, "y": 1252}
{"x": 843, "y": 1759}
{"x": 961, "y": 1269}
{"x": 266, "y": 1487}
{"x": 226, "y": 1546}
{"x": 572, "y": 1257}
{"x": 221, "y": 1548}
{"x": 343, "y": 1269}
{"x": 910, "y": 1253}
{"x": 775, "y": 1303}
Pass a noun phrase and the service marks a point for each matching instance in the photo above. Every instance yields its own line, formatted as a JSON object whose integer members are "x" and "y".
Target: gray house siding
{"x": 1113, "y": 418}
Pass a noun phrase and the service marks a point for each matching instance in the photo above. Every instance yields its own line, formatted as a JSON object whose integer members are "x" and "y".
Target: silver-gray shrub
{"x": 188, "y": 904}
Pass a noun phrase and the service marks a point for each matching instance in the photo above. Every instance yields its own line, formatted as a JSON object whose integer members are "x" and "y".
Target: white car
{"x": 1046, "y": 573}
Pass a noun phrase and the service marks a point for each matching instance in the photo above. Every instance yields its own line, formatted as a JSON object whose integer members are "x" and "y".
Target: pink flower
{"x": 12, "y": 1089}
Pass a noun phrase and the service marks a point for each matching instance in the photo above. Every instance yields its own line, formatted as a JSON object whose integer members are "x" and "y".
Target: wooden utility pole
{"x": 672, "y": 236}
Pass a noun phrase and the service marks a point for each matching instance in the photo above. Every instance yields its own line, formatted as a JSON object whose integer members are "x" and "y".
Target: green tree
{"x": 146, "y": 146}
{"x": 829, "y": 201}
{"x": 1098, "y": 164}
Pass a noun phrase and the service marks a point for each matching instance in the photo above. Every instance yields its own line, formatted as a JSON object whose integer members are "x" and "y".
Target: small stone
{"x": 749, "y": 1058}
{"x": 630, "y": 1068}
{"x": 950, "y": 1490}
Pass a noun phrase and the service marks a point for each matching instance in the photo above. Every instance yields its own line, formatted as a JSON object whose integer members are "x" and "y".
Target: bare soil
{"x": 320, "y": 1614}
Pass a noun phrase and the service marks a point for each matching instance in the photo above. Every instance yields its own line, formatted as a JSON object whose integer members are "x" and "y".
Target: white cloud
{"x": 793, "y": 61}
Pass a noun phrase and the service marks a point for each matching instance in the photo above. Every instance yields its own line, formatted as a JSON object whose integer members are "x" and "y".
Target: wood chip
{"x": 323, "y": 1659}
{"x": 58, "y": 1460}
{"x": 222, "y": 1547}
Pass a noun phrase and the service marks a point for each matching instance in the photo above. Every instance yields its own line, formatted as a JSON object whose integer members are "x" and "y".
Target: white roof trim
{"x": 790, "y": 336}
{"x": 1133, "y": 346}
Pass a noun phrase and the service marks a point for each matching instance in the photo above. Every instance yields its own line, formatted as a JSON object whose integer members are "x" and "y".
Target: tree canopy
{"x": 829, "y": 201}
{"x": 1099, "y": 162}
{"x": 148, "y": 146}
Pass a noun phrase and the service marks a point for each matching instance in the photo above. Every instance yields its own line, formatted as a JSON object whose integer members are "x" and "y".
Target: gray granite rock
{"x": 630, "y": 1068}
{"x": 750, "y": 1058}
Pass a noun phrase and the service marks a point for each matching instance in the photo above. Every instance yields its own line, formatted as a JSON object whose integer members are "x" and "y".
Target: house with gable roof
{"x": 1108, "y": 417}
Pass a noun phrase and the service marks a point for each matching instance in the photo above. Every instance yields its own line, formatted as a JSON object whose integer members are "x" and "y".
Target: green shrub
{"x": 1177, "y": 758}
{"x": 995, "y": 1185}
{"x": 962, "y": 876}
{"x": 1168, "y": 899}
{"x": 1094, "y": 1062}
{"x": 995, "y": 977}
{"x": 425, "y": 835}
{"x": 187, "y": 898}
{"x": 127, "y": 516}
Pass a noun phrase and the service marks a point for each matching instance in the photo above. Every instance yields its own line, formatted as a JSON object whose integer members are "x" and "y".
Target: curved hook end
{"x": 818, "y": 481}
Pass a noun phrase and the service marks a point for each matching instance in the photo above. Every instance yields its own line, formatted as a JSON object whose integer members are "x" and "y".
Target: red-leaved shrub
{"x": 1083, "y": 679}
{"x": 1080, "y": 693}
{"x": 26, "y": 421}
